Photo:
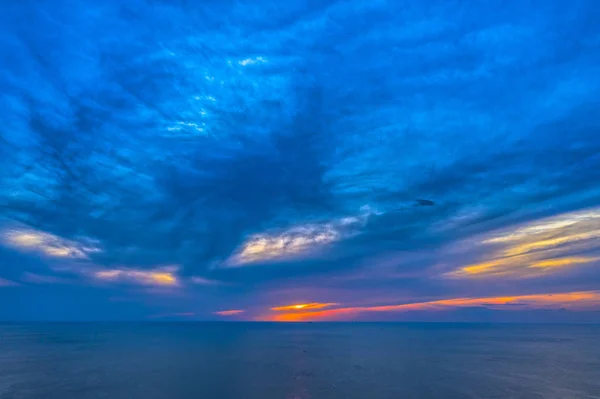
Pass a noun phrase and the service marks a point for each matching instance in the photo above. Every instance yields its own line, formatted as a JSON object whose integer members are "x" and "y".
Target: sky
{"x": 300, "y": 160}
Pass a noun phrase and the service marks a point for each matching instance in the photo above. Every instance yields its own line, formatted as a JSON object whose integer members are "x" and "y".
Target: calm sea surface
{"x": 293, "y": 361}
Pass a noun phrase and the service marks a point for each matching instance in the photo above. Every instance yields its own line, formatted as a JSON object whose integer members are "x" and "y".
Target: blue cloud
{"x": 309, "y": 144}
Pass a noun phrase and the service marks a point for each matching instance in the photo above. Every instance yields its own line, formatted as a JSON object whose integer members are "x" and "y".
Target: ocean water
{"x": 293, "y": 361}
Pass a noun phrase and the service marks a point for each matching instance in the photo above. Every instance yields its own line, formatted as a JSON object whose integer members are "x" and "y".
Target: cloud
{"x": 251, "y": 61}
{"x": 547, "y": 226}
{"x": 233, "y": 312}
{"x": 568, "y": 261}
{"x": 28, "y": 239}
{"x": 571, "y": 300}
{"x": 7, "y": 283}
{"x": 204, "y": 281}
{"x": 164, "y": 276}
{"x": 299, "y": 239}
{"x": 539, "y": 247}
{"x": 303, "y": 306}
{"x": 424, "y": 202}
{"x": 223, "y": 149}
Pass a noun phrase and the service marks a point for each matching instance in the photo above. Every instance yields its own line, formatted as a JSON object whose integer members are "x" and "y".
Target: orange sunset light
{"x": 571, "y": 300}
{"x": 304, "y": 306}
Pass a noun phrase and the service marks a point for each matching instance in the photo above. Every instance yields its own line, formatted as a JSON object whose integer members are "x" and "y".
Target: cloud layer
{"x": 185, "y": 158}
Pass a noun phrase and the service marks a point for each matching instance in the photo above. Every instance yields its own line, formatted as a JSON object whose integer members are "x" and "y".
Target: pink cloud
{"x": 7, "y": 283}
{"x": 232, "y": 312}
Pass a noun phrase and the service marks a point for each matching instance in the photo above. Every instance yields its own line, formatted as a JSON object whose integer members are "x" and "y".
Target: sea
{"x": 297, "y": 361}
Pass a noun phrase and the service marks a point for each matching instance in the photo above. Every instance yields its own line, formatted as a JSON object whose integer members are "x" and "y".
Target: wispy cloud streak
{"x": 304, "y": 306}
{"x": 158, "y": 277}
{"x": 27, "y": 239}
{"x": 232, "y": 312}
{"x": 540, "y": 247}
{"x": 584, "y": 300}
{"x": 299, "y": 239}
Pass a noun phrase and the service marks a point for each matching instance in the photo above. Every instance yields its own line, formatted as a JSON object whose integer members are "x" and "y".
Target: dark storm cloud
{"x": 310, "y": 144}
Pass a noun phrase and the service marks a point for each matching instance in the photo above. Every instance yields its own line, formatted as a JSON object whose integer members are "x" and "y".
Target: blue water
{"x": 293, "y": 361}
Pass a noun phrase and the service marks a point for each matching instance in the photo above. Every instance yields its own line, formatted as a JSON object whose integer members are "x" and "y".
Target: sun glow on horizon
{"x": 304, "y": 306}
{"x": 578, "y": 300}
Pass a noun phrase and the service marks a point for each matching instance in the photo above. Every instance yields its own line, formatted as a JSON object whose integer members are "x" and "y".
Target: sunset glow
{"x": 569, "y": 300}
{"x": 304, "y": 306}
{"x": 539, "y": 247}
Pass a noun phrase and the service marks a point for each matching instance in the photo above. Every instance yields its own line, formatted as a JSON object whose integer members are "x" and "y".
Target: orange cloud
{"x": 539, "y": 247}
{"x": 559, "y": 262}
{"x": 232, "y": 312}
{"x": 304, "y": 306}
{"x": 521, "y": 265}
{"x": 571, "y": 300}
{"x": 160, "y": 277}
